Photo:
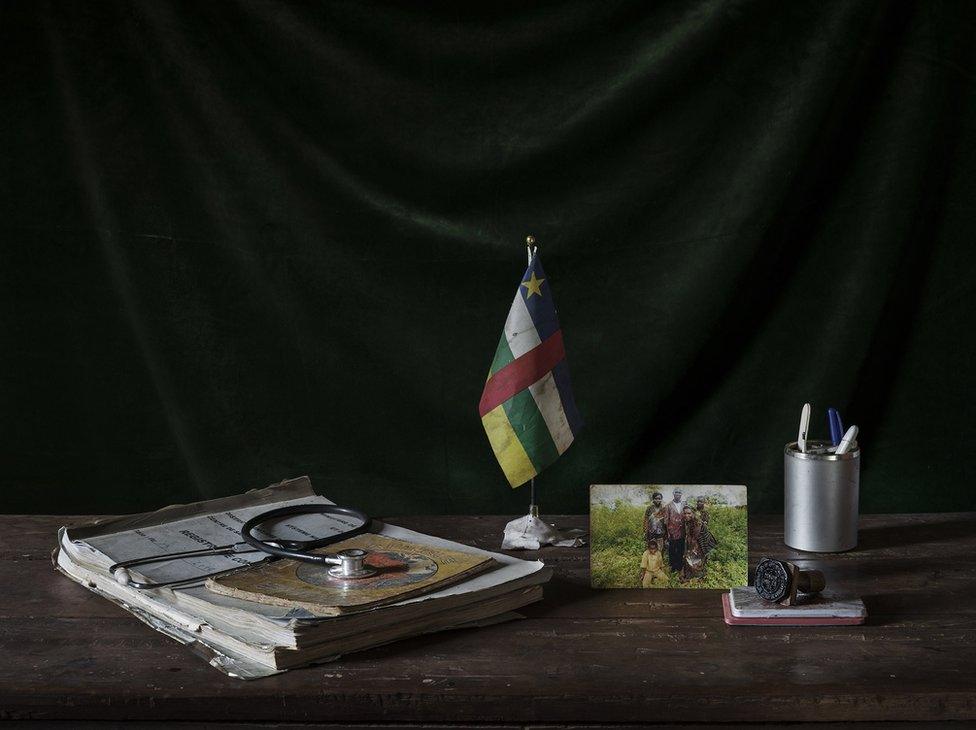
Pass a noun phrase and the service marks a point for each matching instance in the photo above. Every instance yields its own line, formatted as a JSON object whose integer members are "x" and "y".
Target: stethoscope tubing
{"x": 293, "y": 549}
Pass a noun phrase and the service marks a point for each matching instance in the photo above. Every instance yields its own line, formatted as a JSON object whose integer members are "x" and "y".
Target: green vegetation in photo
{"x": 617, "y": 537}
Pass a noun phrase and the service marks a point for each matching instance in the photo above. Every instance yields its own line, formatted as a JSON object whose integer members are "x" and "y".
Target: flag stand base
{"x": 532, "y": 532}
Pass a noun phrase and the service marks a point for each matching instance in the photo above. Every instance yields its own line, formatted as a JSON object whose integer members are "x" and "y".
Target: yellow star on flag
{"x": 533, "y": 286}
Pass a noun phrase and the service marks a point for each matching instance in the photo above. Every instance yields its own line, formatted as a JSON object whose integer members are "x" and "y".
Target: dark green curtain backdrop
{"x": 248, "y": 241}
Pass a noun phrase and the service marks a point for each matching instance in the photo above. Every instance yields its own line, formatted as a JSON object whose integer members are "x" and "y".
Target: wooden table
{"x": 582, "y": 657}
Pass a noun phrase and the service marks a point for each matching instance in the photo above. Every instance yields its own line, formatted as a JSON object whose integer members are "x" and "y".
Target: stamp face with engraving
{"x": 772, "y": 580}
{"x": 780, "y": 581}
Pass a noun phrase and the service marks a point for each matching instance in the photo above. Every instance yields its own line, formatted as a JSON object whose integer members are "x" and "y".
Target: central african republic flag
{"x": 527, "y": 407}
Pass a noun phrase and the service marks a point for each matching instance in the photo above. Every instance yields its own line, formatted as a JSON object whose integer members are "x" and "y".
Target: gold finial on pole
{"x": 530, "y": 247}
{"x": 530, "y": 240}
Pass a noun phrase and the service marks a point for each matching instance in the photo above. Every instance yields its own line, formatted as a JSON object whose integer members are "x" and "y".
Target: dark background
{"x": 249, "y": 241}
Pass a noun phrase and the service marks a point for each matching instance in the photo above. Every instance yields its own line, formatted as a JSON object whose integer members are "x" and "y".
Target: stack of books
{"x": 250, "y": 616}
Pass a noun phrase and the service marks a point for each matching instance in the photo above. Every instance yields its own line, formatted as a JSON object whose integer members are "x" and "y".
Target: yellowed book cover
{"x": 403, "y": 570}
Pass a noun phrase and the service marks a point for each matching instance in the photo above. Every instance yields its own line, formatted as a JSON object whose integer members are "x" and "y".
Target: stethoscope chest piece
{"x": 351, "y": 565}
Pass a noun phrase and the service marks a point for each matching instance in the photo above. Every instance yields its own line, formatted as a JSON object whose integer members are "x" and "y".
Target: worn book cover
{"x": 403, "y": 570}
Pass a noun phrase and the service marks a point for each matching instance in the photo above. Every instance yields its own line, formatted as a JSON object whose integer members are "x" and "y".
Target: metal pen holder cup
{"x": 821, "y": 493}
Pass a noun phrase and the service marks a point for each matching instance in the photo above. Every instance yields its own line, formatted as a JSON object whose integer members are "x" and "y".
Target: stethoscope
{"x": 347, "y": 565}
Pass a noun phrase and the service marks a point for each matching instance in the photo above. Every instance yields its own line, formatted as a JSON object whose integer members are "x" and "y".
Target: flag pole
{"x": 531, "y": 531}
{"x": 530, "y": 249}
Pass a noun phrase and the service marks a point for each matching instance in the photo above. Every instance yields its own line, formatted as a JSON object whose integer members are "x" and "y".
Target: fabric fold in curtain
{"x": 248, "y": 241}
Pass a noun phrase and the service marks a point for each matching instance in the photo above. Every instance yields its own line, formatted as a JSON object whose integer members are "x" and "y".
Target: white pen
{"x": 845, "y": 443}
{"x": 801, "y": 439}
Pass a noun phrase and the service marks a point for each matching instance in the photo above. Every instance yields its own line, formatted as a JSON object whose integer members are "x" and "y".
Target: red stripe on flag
{"x": 521, "y": 373}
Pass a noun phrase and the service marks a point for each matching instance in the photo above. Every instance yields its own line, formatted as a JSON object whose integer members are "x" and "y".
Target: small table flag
{"x": 527, "y": 407}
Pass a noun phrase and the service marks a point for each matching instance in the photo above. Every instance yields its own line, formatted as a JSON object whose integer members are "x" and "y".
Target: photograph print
{"x": 668, "y": 536}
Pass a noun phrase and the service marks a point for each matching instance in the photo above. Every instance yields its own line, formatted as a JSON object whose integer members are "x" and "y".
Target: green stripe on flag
{"x": 531, "y": 429}
{"x": 503, "y": 356}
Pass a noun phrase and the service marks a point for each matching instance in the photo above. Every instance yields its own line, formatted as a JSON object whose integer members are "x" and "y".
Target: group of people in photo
{"x": 678, "y": 531}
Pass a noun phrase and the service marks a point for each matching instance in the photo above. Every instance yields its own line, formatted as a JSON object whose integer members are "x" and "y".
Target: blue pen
{"x": 836, "y": 427}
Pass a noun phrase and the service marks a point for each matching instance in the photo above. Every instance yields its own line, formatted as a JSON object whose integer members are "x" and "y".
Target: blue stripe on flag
{"x": 560, "y": 374}
{"x": 541, "y": 309}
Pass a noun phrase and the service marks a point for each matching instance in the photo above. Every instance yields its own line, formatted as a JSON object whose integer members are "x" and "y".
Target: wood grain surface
{"x": 581, "y": 657}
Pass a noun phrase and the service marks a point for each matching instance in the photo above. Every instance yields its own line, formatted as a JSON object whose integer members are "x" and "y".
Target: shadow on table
{"x": 893, "y": 536}
{"x": 889, "y": 609}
